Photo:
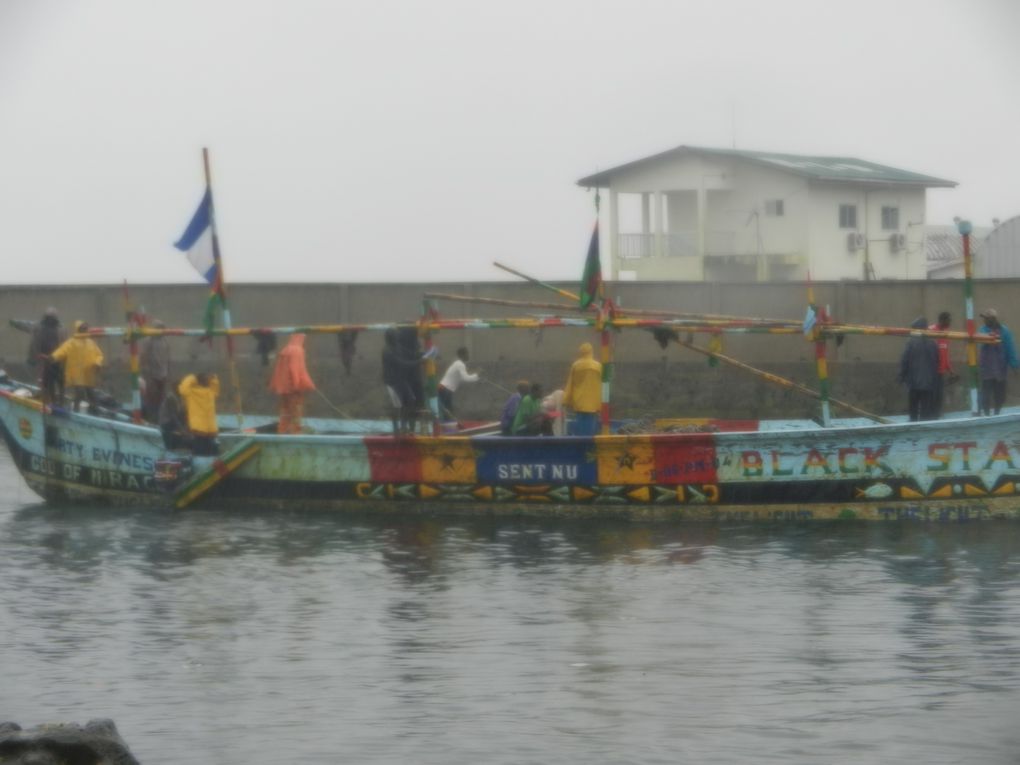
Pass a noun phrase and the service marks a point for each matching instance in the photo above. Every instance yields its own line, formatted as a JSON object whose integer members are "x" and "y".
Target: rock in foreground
{"x": 98, "y": 743}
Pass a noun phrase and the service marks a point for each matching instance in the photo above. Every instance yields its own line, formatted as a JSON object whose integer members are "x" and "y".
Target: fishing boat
{"x": 863, "y": 467}
{"x": 960, "y": 468}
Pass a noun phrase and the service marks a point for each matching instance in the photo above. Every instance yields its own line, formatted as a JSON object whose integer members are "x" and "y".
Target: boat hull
{"x": 948, "y": 471}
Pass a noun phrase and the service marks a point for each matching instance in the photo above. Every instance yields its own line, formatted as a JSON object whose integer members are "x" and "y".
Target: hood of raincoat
{"x": 586, "y": 350}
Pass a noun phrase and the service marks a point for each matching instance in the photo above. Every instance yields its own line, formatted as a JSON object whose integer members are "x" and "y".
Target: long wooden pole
{"x": 653, "y": 312}
{"x": 778, "y": 380}
{"x": 526, "y": 322}
{"x": 235, "y": 380}
{"x": 533, "y": 280}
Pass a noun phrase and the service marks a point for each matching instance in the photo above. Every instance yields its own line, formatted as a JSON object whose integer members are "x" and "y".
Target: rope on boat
{"x": 341, "y": 412}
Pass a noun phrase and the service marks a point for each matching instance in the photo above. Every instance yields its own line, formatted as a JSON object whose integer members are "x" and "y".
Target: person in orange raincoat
{"x": 290, "y": 381}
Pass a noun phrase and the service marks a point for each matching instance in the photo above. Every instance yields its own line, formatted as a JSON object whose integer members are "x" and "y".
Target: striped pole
{"x": 536, "y": 322}
{"x": 605, "y": 313}
{"x": 964, "y": 228}
{"x": 428, "y": 313}
{"x": 821, "y": 363}
{"x": 136, "y": 388}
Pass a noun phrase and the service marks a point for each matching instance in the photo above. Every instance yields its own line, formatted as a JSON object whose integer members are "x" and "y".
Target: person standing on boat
{"x": 945, "y": 369}
{"x": 506, "y": 417}
{"x": 994, "y": 361}
{"x": 82, "y": 361}
{"x": 456, "y": 375}
{"x": 290, "y": 381}
{"x": 199, "y": 393}
{"x": 173, "y": 420}
{"x": 583, "y": 392}
{"x": 154, "y": 365}
{"x": 399, "y": 372}
{"x": 47, "y": 336}
{"x": 919, "y": 371}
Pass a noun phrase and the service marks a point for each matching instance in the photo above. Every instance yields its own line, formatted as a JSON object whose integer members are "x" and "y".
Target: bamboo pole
{"x": 533, "y": 280}
{"x": 781, "y": 381}
{"x": 619, "y": 311}
{"x": 529, "y": 322}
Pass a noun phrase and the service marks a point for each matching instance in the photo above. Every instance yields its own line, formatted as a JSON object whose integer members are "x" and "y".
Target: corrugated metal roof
{"x": 846, "y": 169}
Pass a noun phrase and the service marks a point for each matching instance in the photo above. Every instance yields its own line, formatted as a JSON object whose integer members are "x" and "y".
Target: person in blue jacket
{"x": 994, "y": 361}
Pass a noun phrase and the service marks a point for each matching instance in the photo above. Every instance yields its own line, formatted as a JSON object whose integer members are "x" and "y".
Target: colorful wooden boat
{"x": 952, "y": 470}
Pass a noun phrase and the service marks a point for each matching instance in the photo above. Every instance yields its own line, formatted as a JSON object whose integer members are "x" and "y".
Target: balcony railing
{"x": 677, "y": 244}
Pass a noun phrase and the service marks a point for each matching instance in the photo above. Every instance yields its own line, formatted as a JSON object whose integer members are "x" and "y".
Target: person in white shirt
{"x": 456, "y": 374}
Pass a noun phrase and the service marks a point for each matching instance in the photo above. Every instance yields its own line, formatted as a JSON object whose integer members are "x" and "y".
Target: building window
{"x": 891, "y": 218}
{"x": 774, "y": 208}
{"x": 848, "y": 216}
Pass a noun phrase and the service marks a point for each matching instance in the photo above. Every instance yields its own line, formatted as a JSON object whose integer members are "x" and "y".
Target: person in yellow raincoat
{"x": 199, "y": 393}
{"x": 583, "y": 392}
{"x": 290, "y": 381}
{"x": 82, "y": 361}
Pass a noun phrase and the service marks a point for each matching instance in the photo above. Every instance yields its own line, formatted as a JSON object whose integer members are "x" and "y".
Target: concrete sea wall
{"x": 649, "y": 380}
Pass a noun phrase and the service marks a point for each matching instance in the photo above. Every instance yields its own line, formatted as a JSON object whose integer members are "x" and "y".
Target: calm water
{"x": 214, "y": 637}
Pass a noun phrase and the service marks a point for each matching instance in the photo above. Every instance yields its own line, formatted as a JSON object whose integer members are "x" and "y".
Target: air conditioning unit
{"x": 854, "y": 241}
{"x": 897, "y": 242}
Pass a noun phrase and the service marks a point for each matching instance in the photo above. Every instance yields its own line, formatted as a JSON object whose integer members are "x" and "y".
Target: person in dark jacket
{"x": 919, "y": 366}
{"x": 154, "y": 365}
{"x": 994, "y": 362}
{"x": 47, "y": 336}
{"x": 173, "y": 419}
{"x": 401, "y": 367}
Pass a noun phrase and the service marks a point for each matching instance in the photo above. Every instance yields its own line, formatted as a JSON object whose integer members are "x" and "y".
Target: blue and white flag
{"x": 197, "y": 240}
{"x": 810, "y": 319}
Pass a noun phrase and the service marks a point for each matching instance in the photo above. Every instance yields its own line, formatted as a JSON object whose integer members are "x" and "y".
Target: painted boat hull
{"x": 951, "y": 471}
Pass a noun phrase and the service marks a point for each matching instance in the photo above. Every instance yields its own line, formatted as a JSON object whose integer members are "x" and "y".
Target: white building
{"x": 697, "y": 214}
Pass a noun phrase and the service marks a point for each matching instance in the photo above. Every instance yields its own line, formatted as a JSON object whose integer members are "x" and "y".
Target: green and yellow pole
{"x": 605, "y": 314}
{"x": 821, "y": 362}
{"x": 131, "y": 317}
{"x": 964, "y": 227}
{"x": 428, "y": 312}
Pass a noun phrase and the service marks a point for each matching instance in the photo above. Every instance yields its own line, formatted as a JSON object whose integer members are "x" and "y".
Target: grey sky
{"x": 384, "y": 140}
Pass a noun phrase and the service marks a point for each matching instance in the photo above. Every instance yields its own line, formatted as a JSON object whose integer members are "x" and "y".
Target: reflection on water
{"x": 224, "y": 637}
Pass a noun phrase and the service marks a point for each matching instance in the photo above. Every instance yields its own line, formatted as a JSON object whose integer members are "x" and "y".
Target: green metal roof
{"x": 846, "y": 169}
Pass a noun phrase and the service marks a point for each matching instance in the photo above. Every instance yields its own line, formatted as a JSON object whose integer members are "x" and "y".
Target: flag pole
{"x": 605, "y": 317}
{"x": 220, "y": 287}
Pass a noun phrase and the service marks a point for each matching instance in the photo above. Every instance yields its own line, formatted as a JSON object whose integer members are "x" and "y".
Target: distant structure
{"x": 995, "y": 251}
{"x": 702, "y": 214}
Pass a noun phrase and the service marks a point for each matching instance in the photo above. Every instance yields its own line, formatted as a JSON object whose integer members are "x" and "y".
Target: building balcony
{"x": 675, "y": 244}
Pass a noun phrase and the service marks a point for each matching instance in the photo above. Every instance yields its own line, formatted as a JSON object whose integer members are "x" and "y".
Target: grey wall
{"x": 648, "y": 379}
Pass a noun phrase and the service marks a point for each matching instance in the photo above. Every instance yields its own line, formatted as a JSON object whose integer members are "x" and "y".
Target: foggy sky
{"x": 382, "y": 140}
